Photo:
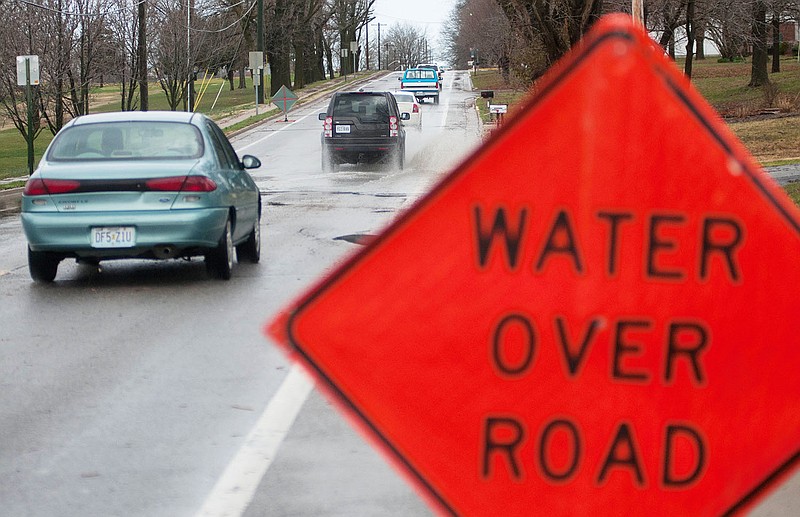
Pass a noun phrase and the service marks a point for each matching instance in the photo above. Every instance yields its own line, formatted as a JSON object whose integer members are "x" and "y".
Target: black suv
{"x": 363, "y": 127}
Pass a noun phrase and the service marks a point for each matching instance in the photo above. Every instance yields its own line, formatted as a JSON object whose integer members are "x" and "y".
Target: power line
{"x": 56, "y": 11}
{"x": 408, "y": 19}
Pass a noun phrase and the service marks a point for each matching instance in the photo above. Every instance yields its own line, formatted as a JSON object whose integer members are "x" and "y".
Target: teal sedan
{"x": 145, "y": 185}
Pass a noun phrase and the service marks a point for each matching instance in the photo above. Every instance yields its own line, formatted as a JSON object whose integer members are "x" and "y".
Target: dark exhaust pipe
{"x": 165, "y": 252}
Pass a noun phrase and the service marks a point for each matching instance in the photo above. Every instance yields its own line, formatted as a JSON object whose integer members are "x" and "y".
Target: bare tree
{"x": 349, "y": 17}
{"x": 555, "y": 24}
{"x": 404, "y": 42}
{"x": 479, "y": 26}
{"x": 690, "y": 35}
{"x": 758, "y": 70}
{"x": 91, "y": 45}
{"x": 123, "y": 24}
{"x": 664, "y": 17}
{"x": 728, "y": 27}
{"x": 16, "y": 39}
{"x": 308, "y": 21}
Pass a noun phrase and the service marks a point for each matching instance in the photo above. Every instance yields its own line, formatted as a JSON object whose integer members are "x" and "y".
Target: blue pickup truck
{"x": 422, "y": 82}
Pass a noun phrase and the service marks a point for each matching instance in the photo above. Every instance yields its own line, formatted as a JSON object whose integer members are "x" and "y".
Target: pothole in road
{"x": 356, "y": 238}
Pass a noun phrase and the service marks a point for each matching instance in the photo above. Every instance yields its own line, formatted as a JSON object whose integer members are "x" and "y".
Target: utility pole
{"x": 367, "y": 49}
{"x": 260, "y": 48}
{"x": 28, "y": 76}
{"x": 637, "y": 10}
{"x": 379, "y": 47}
{"x": 189, "y": 65}
{"x": 142, "y": 56}
{"x": 29, "y": 103}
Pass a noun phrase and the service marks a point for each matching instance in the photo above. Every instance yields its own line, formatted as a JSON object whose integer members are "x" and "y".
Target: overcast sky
{"x": 427, "y": 15}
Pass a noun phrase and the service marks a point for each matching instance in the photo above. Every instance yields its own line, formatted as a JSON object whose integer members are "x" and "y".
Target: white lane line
{"x": 235, "y": 489}
{"x": 446, "y": 104}
{"x": 273, "y": 133}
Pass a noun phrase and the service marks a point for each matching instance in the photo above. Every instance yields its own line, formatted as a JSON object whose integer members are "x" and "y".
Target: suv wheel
{"x": 400, "y": 157}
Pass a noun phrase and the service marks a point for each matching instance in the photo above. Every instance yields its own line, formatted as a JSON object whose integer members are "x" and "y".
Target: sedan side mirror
{"x": 322, "y": 116}
{"x": 250, "y": 162}
{"x": 405, "y": 116}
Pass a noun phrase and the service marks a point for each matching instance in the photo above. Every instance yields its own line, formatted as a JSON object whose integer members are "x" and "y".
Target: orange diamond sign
{"x": 595, "y": 313}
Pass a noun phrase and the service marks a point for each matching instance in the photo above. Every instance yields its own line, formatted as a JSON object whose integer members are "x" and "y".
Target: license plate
{"x": 113, "y": 237}
{"x": 343, "y": 129}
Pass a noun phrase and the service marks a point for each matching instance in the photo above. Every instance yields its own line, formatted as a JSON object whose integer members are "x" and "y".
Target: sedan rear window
{"x": 404, "y": 97}
{"x": 139, "y": 140}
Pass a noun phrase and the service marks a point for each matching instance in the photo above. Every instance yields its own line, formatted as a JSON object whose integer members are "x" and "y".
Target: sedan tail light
{"x": 182, "y": 184}
{"x": 393, "y": 126}
{"x": 42, "y": 187}
{"x": 328, "y": 126}
{"x": 415, "y": 108}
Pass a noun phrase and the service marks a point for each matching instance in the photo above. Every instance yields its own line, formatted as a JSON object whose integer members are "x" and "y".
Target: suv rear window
{"x": 366, "y": 108}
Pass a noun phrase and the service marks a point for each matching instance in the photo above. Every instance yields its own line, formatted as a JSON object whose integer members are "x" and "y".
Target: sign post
{"x": 342, "y": 62}
{"x": 595, "y": 312}
{"x": 284, "y": 99}
{"x": 28, "y": 75}
{"x": 499, "y": 111}
{"x": 353, "y": 51}
{"x": 256, "y": 65}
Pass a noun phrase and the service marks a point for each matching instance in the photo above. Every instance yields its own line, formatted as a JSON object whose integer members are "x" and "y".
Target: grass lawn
{"x": 793, "y": 189}
{"x": 772, "y": 138}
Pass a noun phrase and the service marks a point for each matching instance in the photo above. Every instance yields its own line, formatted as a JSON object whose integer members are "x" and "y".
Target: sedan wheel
{"x": 42, "y": 265}
{"x": 219, "y": 261}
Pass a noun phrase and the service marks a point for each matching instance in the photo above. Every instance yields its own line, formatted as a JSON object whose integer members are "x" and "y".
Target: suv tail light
{"x": 42, "y": 187}
{"x": 393, "y": 127}
{"x": 415, "y": 108}
{"x": 328, "y": 126}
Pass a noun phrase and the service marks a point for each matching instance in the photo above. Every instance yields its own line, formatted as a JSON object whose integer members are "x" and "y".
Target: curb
{"x": 10, "y": 200}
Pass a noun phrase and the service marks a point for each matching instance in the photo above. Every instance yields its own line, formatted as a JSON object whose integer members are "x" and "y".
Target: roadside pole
{"x": 637, "y": 10}
{"x": 27, "y": 76}
{"x": 257, "y": 65}
{"x": 29, "y": 102}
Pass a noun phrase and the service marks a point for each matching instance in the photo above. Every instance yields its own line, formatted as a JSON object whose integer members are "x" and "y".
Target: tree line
{"x": 524, "y": 37}
{"x": 137, "y": 44}
{"x": 140, "y": 43}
